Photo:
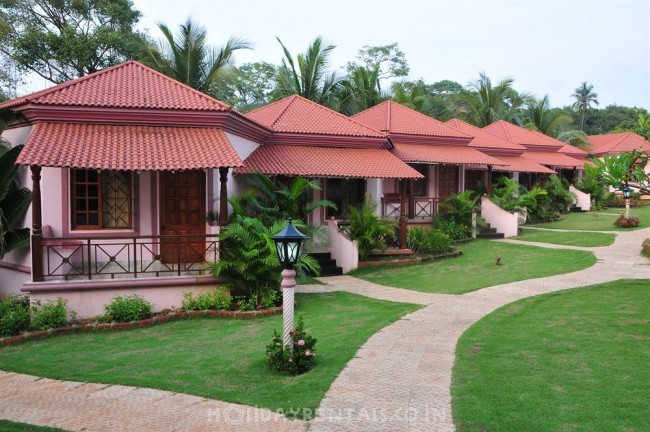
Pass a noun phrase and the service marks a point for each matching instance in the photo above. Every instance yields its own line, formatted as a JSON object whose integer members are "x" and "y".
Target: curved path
{"x": 398, "y": 381}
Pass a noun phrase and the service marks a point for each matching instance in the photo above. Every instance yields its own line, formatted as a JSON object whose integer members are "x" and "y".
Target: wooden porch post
{"x": 489, "y": 180}
{"x": 37, "y": 225}
{"x": 223, "y": 197}
{"x": 411, "y": 185}
{"x": 402, "y": 215}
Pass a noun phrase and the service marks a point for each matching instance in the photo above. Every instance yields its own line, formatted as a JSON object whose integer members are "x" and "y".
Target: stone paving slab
{"x": 399, "y": 380}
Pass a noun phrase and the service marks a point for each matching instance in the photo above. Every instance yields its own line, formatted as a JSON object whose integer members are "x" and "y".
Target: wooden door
{"x": 182, "y": 212}
{"x": 447, "y": 181}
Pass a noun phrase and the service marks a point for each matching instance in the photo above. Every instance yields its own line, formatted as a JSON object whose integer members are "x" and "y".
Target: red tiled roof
{"x": 132, "y": 148}
{"x": 617, "y": 143}
{"x": 482, "y": 138}
{"x": 525, "y": 137}
{"x": 424, "y": 153}
{"x": 521, "y": 164}
{"x": 295, "y": 114}
{"x": 555, "y": 159}
{"x": 394, "y": 118}
{"x": 127, "y": 85}
{"x": 326, "y": 162}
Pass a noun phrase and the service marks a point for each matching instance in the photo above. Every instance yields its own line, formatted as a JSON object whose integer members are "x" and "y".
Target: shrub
{"x": 218, "y": 298}
{"x": 128, "y": 308}
{"x": 271, "y": 299}
{"x": 426, "y": 241}
{"x": 459, "y": 207}
{"x": 624, "y": 222}
{"x": 303, "y": 357}
{"x": 369, "y": 230}
{"x": 14, "y": 315}
{"x": 51, "y": 314}
{"x": 245, "y": 303}
{"x": 645, "y": 247}
{"x": 455, "y": 230}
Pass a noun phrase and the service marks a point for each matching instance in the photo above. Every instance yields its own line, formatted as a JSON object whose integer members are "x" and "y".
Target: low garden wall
{"x": 504, "y": 222}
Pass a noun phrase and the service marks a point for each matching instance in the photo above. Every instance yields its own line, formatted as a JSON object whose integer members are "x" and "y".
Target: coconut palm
{"x": 486, "y": 103}
{"x": 585, "y": 97}
{"x": 360, "y": 90}
{"x": 186, "y": 57}
{"x": 553, "y": 122}
{"x": 14, "y": 201}
{"x": 307, "y": 75}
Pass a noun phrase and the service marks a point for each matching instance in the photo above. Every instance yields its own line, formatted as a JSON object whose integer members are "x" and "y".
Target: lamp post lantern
{"x": 627, "y": 193}
{"x": 288, "y": 245}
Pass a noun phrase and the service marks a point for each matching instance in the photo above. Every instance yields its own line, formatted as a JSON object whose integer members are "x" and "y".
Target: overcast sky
{"x": 547, "y": 46}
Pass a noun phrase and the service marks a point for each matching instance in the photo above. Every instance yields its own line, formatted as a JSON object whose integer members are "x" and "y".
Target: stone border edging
{"x": 141, "y": 323}
{"x": 406, "y": 261}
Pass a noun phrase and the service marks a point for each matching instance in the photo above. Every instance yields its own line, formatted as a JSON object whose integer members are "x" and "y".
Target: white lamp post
{"x": 288, "y": 244}
{"x": 627, "y": 193}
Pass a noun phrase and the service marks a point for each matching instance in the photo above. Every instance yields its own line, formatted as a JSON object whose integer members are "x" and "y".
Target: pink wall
{"x": 504, "y": 222}
{"x": 343, "y": 250}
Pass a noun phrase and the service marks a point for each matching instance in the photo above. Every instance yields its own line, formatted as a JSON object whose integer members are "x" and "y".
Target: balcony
{"x": 419, "y": 208}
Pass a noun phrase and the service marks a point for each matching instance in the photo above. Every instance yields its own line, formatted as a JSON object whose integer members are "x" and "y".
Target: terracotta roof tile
{"x": 424, "y": 153}
{"x": 555, "y": 159}
{"x": 127, "y": 85}
{"x": 521, "y": 164}
{"x": 483, "y": 138}
{"x": 326, "y": 162}
{"x": 394, "y": 118}
{"x": 144, "y": 148}
{"x": 617, "y": 143}
{"x": 295, "y": 114}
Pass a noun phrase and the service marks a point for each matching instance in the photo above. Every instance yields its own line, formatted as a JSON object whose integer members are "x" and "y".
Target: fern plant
{"x": 459, "y": 208}
{"x": 14, "y": 201}
{"x": 369, "y": 230}
{"x": 513, "y": 197}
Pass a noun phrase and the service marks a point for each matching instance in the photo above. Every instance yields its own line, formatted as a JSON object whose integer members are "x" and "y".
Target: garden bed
{"x": 390, "y": 260}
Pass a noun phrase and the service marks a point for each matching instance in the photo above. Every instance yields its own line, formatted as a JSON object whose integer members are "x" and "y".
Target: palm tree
{"x": 585, "y": 97}
{"x": 185, "y": 56}
{"x": 360, "y": 90}
{"x": 14, "y": 201}
{"x": 541, "y": 117}
{"x": 307, "y": 75}
{"x": 485, "y": 103}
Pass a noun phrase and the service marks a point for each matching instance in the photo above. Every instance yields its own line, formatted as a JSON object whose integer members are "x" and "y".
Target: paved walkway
{"x": 398, "y": 381}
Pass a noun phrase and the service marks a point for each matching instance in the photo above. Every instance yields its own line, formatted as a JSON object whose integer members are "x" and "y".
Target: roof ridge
{"x": 290, "y": 100}
{"x": 389, "y": 115}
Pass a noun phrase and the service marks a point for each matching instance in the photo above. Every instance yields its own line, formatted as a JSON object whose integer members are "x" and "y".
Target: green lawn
{"x": 587, "y": 239}
{"x": 602, "y": 220}
{"x": 9, "y": 426}
{"x": 216, "y": 358}
{"x": 562, "y": 362}
{"x": 476, "y": 268}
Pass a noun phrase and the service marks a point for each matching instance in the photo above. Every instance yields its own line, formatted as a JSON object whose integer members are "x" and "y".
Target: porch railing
{"x": 90, "y": 258}
{"x": 423, "y": 207}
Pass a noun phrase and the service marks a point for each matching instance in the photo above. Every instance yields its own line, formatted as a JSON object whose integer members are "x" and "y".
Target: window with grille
{"x": 100, "y": 199}
{"x": 421, "y": 186}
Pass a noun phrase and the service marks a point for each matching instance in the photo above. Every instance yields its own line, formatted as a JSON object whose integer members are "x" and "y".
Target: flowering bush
{"x": 297, "y": 362}
{"x": 624, "y": 222}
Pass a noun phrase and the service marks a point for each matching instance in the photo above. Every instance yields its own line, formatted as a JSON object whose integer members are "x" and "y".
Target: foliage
{"x": 559, "y": 196}
{"x": 307, "y": 75}
{"x": 624, "y": 169}
{"x": 485, "y": 103}
{"x": 14, "y": 315}
{"x": 187, "y": 58}
{"x": 513, "y": 197}
{"x": 368, "y": 230}
{"x": 435, "y": 100}
{"x": 539, "y": 116}
{"x": 608, "y": 119}
{"x": 645, "y": 247}
{"x": 245, "y": 303}
{"x": 48, "y": 315}
{"x": 128, "y": 308}
{"x": 247, "y": 87}
{"x": 624, "y": 222}
{"x": 640, "y": 125}
{"x": 63, "y": 40}
{"x": 14, "y": 201}
{"x": 360, "y": 90}
{"x": 215, "y": 299}
{"x": 292, "y": 362}
{"x": 459, "y": 207}
{"x": 584, "y": 97}
{"x": 455, "y": 230}
{"x": 250, "y": 260}
{"x": 427, "y": 241}
{"x": 388, "y": 60}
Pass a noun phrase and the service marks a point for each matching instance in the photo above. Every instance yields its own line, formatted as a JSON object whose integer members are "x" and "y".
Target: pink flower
{"x": 307, "y": 353}
{"x": 301, "y": 342}
{"x": 290, "y": 360}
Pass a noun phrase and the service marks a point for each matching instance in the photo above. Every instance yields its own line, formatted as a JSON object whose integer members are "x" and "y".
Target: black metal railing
{"x": 87, "y": 258}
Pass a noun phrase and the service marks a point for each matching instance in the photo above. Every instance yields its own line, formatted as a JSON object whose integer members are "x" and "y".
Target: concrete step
{"x": 490, "y": 235}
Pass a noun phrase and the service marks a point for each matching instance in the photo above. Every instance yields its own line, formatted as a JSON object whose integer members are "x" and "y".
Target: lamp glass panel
{"x": 280, "y": 248}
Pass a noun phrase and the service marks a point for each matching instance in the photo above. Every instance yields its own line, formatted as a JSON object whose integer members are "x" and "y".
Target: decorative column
{"x": 223, "y": 196}
{"x": 288, "y": 285}
{"x": 37, "y": 225}
{"x": 489, "y": 180}
{"x": 403, "y": 217}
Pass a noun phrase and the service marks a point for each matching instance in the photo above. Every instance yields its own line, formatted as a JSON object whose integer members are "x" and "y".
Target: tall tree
{"x": 186, "y": 57}
{"x": 388, "y": 60}
{"x": 485, "y": 103}
{"x": 64, "y": 39}
{"x": 360, "y": 91}
{"x": 308, "y": 76}
{"x": 247, "y": 87}
{"x": 585, "y": 97}
{"x": 539, "y": 116}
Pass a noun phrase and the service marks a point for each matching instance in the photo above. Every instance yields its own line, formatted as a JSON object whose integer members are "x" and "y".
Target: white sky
{"x": 547, "y": 46}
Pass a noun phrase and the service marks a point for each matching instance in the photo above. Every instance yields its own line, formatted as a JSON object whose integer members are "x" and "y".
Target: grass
{"x": 568, "y": 361}
{"x": 215, "y": 358}
{"x": 586, "y": 239}
{"x": 602, "y": 220}
{"x": 9, "y": 426}
{"x": 476, "y": 268}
